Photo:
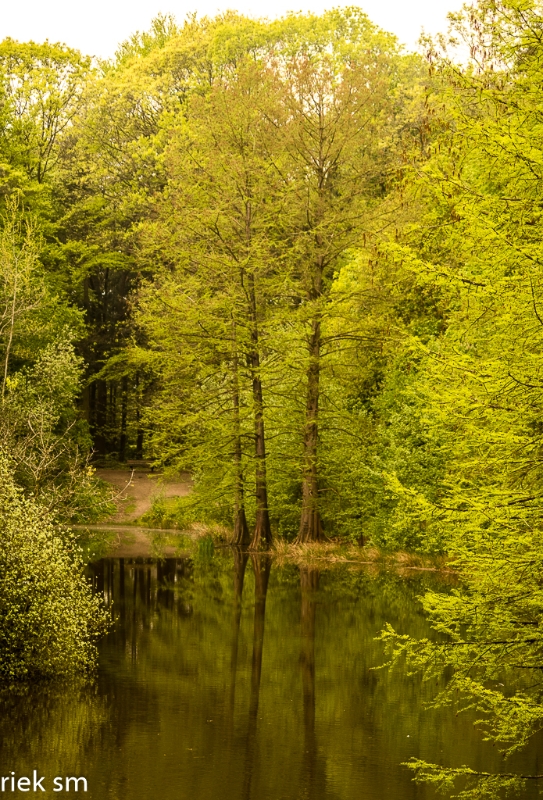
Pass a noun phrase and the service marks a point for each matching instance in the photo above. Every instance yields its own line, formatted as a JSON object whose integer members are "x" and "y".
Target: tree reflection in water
{"x": 313, "y": 778}
{"x": 261, "y": 566}
{"x": 201, "y": 694}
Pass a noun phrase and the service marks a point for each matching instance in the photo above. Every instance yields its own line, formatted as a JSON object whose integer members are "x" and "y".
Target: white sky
{"x": 96, "y": 27}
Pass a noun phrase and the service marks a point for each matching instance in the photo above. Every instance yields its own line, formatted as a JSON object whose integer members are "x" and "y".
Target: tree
{"x": 20, "y": 292}
{"x": 337, "y": 106}
{"x": 111, "y": 171}
{"x": 218, "y": 215}
{"x": 41, "y": 86}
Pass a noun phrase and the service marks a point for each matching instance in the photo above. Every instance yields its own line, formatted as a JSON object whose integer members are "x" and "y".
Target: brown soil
{"x": 136, "y": 490}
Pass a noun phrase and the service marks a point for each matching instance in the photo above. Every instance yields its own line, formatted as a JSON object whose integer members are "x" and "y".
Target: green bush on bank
{"x": 49, "y": 618}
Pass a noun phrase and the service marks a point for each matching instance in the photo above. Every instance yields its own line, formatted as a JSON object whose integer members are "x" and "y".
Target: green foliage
{"x": 41, "y": 91}
{"x": 48, "y": 442}
{"x": 49, "y": 618}
{"x": 490, "y": 645}
{"x": 237, "y": 236}
{"x": 476, "y": 387}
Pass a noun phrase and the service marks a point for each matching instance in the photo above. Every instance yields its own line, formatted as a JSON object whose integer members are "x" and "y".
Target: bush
{"x": 49, "y": 618}
{"x": 48, "y": 443}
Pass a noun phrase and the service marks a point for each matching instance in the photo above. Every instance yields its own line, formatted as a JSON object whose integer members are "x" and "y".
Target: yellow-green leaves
{"x": 49, "y": 618}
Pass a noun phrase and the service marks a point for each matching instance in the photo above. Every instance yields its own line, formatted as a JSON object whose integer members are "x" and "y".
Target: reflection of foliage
{"x": 174, "y": 650}
{"x": 49, "y": 619}
{"x": 69, "y": 712}
{"x": 206, "y": 548}
{"x": 95, "y": 544}
{"x": 170, "y": 656}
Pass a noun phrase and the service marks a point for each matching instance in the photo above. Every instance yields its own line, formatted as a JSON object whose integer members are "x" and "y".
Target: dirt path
{"x": 136, "y": 491}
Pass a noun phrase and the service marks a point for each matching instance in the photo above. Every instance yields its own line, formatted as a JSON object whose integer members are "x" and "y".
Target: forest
{"x": 304, "y": 266}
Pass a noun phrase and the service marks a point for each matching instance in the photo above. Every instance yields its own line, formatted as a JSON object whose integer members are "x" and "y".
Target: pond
{"x": 228, "y": 676}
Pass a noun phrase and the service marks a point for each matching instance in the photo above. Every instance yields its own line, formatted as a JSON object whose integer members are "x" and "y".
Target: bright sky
{"x": 97, "y": 26}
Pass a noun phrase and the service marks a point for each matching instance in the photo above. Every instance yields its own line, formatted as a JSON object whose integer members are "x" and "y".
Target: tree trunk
{"x": 124, "y": 413}
{"x": 100, "y": 417}
{"x": 241, "y": 535}
{"x": 139, "y": 429}
{"x": 10, "y": 336}
{"x": 262, "y": 536}
{"x": 111, "y": 437}
{"x": 310, "y": 521}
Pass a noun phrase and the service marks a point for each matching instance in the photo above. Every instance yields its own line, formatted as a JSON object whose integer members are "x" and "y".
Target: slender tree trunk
{"x": 92, "y": 409}
{"x": 310, "y": 521}
{"x": 139, "y": 429}
{"x": 262, "y": 536}
{"x": 112, "y": 416}
{"x": 124, "y": 414}
{"x": 88, "y": 398}
{"x": 10, "y": 336}
{"x": 241, "y": 530}
{"x": 100, "y": 417}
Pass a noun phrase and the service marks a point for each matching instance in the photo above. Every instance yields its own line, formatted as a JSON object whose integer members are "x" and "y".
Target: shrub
{"x": 49, "y": 619}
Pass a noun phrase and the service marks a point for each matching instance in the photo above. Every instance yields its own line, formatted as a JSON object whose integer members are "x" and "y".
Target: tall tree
{"x": 220, "y": 209}
{"x": 338, "y": 109}
{"x": 42, "y": 89}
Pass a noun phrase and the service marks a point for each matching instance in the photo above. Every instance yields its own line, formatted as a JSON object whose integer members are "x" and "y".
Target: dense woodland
{"x": 306, "y": 267}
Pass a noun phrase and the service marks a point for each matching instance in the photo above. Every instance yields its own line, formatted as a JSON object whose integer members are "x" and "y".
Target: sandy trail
{"x": 136, "y": 491}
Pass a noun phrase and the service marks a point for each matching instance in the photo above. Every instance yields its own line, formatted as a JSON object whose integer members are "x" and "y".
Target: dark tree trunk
{"x": 139, "y": 429}
{"x": 112, "y": 411}
{"x": 262, "y": 536}
{"x": 310, "y": 521}
{"x": 124, "y": 414}
{"x": 241, "y": 535}
{"x": 100, "y": 417}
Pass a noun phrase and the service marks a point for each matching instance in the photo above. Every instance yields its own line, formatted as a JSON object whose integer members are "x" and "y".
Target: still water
{"x": 228, "y": 677}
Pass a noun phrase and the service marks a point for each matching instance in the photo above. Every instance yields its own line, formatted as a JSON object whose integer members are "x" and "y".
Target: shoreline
{"x": 163, "y": 542}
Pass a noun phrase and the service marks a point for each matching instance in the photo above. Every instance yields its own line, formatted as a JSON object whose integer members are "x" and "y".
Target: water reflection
{"x": 313, "y": 777}
{"x": 227, "y": 676}
{"x": 261, "y": 567}
{"x": 240, "y": 563}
